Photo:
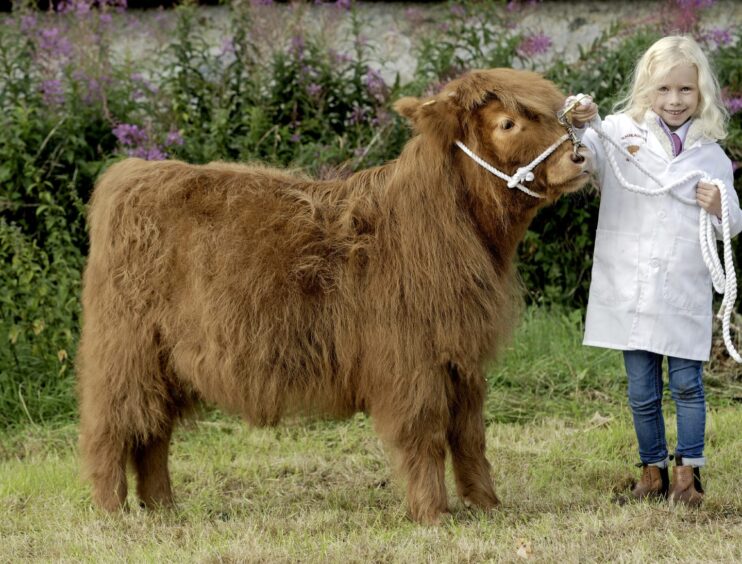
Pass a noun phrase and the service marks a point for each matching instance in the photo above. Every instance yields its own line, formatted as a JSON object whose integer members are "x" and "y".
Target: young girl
{"x": 650, "y": 294}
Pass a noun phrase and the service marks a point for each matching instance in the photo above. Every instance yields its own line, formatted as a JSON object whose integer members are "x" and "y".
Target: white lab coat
{"x": 650, "y": 289}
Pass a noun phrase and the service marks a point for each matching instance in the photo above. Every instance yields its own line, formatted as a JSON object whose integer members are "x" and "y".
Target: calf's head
{"x": 507, "y": 118}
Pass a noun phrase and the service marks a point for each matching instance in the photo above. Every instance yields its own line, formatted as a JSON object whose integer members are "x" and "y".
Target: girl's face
{"x": 675, "y": 97}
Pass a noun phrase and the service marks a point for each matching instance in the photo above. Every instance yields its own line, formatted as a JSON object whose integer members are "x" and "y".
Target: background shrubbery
{"x": 70, "y": 106}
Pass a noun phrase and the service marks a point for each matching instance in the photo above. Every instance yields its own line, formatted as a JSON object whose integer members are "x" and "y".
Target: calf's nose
{"x": 577, "y": 158}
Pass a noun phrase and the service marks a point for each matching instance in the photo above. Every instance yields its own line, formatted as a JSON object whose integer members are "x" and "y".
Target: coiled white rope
{"x": 724, "y": 278}
{"x": 523, "y": 174}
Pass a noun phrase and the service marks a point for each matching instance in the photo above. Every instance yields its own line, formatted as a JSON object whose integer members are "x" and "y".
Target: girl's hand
{"x": 708, "y": 197}
{"x": 583, "y": 113}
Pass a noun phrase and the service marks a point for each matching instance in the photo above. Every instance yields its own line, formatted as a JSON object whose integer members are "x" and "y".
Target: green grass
{"x": 318, "y": 491}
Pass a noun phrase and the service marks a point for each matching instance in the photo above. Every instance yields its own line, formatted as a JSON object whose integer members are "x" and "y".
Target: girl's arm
{"x": 708, "y": 197}
{"x": 581, "y": 115}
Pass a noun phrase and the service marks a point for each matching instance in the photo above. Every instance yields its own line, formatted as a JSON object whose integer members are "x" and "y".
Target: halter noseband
{"x": 523, "y": 174}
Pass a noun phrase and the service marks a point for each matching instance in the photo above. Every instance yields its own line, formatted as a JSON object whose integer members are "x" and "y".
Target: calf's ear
{"x": 435, "y": 117}
{"x": 407, "y": 107}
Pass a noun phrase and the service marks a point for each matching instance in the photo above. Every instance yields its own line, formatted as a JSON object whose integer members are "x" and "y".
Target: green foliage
{"x": 307, "y": 106}
{"x": 475, "y": 35}
{"x": 39, "y": 298}
{"x": 69, "y": 107}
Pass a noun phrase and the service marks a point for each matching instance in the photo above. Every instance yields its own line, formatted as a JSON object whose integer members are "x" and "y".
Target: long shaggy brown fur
{"x": 266, "y": 292}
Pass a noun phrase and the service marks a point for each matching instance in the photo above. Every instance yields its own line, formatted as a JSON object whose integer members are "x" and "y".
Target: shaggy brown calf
{"x": 266, "y": 292}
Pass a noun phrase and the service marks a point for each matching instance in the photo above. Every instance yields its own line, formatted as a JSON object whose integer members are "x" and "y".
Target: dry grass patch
{"x": 323, "y": 491}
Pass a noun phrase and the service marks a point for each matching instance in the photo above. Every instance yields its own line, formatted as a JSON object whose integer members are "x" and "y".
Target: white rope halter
{"x": 724, "y": 279}
{"x": 523, "y": 174}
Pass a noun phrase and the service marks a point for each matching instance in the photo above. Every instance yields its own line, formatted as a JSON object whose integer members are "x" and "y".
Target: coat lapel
{"x": 695, "y": 135}
{"x": 658, "y": 140}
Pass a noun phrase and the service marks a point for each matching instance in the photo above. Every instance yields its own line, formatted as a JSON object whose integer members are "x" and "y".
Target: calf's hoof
{"x": 431, "y": 518}
{"x": 482, "y": 501}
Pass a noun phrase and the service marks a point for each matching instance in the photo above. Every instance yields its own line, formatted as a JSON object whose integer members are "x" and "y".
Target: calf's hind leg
{"x": 104, "y": 457}
{"x": 467, "y": 441}
{"x": 104, "y": 447}
{"x": 150, "y": 463}
{"x": 125, "y": 413}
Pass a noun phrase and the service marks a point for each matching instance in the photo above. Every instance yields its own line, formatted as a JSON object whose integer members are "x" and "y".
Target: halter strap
{"x": 523, "y": 174}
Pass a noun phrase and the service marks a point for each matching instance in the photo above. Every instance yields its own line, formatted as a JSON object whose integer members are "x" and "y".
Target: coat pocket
{"x": 615, "y": 267}
{"x": 687, "y": 283}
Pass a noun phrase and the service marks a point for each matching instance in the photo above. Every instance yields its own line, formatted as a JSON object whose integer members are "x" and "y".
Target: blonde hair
{"x": 661, "y": 58}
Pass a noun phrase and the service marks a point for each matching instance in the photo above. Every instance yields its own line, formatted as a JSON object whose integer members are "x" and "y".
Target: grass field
{"x": 559, "y": 438}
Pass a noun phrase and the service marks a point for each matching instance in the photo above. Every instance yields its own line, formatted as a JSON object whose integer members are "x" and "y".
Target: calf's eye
{"x": 506, "y": 124}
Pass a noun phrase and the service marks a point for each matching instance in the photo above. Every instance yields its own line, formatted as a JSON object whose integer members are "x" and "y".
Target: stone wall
{"x": 394, "y": 29}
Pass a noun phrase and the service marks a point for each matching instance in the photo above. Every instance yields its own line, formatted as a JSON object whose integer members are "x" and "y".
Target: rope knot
{"x": 523, "y": 174}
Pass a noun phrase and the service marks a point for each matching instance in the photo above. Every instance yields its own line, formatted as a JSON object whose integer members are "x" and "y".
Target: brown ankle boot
{"x": 686, "y": 486}
{"x": 654, "y": 483}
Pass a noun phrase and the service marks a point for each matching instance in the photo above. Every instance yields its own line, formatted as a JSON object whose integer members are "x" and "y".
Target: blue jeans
{"x": 644, "y": 370}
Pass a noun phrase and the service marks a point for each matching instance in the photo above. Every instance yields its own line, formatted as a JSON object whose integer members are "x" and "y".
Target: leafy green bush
{"x": 70, "y": 105}
{"x": 40, "y": 301}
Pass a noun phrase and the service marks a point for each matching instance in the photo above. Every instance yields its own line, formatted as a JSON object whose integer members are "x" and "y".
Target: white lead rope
{"x": 523, "y": 174}
{"x": 724, "y": 278}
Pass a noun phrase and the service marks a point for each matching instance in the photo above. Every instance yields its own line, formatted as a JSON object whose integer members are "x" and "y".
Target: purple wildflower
{"x": 733, "y": 104}
{"x": 119, "y": 5}
{"x": 261, "y": 2}
{"x": 138, "y": 77}
{"x": 308, "y": 72}
{"x": 375, "y": 85}
{"x": 64, "y": 6}
{"x": 343, "y": 4}
{"x": 153, "y": 153}
{"x": 684, "y": 15}
{"x": 695, "y": 4}
{"x": 357, "y": 115}
{"x": 382, "y": 118}
{"x": 28, "y": 23}
{"x": 314, "y": 90}
{"x": 130, "y": 135}
{"x": 174, "y": 138}
{"x": 82, "y": 7}
{"x": 79, "y": 7}
{"x": 338, "y": 58}
{"x": 52, "y": 92}
{"x": 91, "y": 86}
{"x": 513, "y": 6}
{"x": 297, "y": 46}
{"x": 458, "y": 10}
{"x": 93, "y": 91}
{"x": 532, "y": 45}
{"x": 295, "y": 138}
{"x": 414, "y": 16}
{"x": 227, "y": 47}
{"x": 53, "y": 43}
{"x": 719, "y": 36}
{"x": 105, "y": 18}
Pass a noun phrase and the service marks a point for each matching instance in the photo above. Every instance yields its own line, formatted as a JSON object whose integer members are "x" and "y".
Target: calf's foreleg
{"x": 467, "y": 441}
{"x": 414, "y": 421}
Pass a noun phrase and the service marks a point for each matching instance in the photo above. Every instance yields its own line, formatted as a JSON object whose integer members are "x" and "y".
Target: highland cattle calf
{"x": 266, "y": 292}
